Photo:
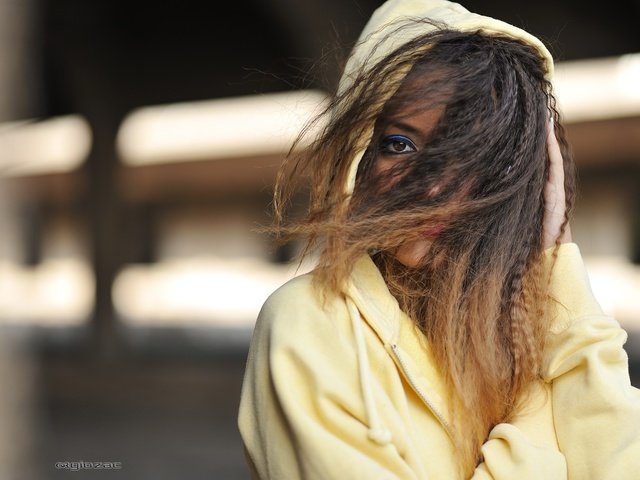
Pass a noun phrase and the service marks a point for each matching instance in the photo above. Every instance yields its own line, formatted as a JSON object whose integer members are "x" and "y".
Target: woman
{"x": 449, "y": 330}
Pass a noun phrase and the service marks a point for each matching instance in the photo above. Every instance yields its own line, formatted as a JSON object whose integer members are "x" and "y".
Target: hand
{"x": 554, "y": 195}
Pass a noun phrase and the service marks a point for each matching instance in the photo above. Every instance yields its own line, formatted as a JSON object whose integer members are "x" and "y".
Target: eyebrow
{"x": 406, "y": 127}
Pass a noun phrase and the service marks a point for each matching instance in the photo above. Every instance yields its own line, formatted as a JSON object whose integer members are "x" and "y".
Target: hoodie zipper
{"x": 422, "y": 396}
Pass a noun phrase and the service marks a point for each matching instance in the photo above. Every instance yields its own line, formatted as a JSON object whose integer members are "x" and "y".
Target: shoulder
{"x": 299, "y": 292}
{"x": 295, "y": 314}
{"x": 301, "y": 296}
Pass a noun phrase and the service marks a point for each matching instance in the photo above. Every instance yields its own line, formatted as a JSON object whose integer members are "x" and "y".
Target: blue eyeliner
{"x": 402, "y": 145}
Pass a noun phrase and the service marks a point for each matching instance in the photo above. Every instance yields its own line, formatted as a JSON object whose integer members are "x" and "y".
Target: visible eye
{"x": 397, "y": 145}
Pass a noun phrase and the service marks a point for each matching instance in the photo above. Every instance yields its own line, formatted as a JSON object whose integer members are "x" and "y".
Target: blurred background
{"x": 139, "y": 141}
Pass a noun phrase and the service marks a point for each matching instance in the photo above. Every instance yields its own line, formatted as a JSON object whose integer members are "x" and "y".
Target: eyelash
{"x": 391, "y": 139}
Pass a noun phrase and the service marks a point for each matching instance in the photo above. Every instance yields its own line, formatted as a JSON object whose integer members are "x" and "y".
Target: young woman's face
{"x": 403, "y": 134}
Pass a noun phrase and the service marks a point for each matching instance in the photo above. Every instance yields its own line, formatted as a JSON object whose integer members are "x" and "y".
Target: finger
{"x": 556, "y": 168}
{"x": 554, "y": 189}
{"x": 554, "y": 193}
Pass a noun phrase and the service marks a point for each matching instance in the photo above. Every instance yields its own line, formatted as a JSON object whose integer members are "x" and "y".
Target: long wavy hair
{"x": 479, "y": 294}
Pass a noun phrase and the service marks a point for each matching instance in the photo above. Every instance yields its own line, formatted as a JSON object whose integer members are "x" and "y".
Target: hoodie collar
{"x": 371, "y": 302}
{"x": 378, "y": 307}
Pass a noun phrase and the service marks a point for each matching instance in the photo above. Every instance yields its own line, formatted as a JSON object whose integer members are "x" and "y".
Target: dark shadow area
{"x": 162, "y": 418}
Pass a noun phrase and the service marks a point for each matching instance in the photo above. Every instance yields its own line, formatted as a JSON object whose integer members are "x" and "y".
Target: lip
{"x": 433, "y": 232}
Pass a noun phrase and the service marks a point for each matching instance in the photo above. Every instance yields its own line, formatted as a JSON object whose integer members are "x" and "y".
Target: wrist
{"x": 550, "y": 241}
{"x": 566, "y": 236}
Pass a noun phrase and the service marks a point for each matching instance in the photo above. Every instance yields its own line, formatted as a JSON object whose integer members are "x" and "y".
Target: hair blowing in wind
{"x": 479, "y": 293}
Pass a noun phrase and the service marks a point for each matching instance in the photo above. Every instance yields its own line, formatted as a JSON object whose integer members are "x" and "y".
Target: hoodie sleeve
{"x": 526, "y": 448}
{"x": 596, "y": 411}
{"x": 300, "y": 413}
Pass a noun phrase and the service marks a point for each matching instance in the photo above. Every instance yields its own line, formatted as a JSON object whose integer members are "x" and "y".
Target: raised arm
{"x": 596, "y": 411}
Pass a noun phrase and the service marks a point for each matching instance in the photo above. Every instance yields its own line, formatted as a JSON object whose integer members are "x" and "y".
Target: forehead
{"x": 420, "y": 117}
{"x": 421, "y": 99}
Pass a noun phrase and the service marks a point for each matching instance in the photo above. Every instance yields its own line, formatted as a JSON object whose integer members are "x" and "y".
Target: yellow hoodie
{"x": 350, "y": 390}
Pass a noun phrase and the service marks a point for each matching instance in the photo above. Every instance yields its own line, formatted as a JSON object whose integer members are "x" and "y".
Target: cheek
{"x": 383, "y": 171}
{"x": 384, "y": 164}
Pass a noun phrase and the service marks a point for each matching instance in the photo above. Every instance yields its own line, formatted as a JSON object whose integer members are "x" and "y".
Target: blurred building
{"x": 139, "y": 142}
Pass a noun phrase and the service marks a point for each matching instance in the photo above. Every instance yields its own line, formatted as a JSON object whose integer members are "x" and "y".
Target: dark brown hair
{"x": 479, "y": 294}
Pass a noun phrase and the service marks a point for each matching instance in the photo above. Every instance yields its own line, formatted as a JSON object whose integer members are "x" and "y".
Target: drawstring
{"x": 377, "y": 432}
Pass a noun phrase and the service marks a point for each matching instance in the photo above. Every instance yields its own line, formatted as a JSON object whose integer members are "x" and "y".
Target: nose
{"x": 435, "y": 190}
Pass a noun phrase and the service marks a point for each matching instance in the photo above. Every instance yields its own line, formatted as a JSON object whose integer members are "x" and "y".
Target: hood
{"x": 376, "y": 41}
